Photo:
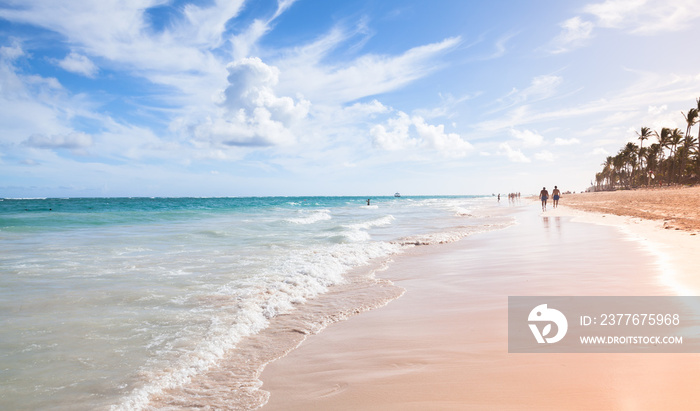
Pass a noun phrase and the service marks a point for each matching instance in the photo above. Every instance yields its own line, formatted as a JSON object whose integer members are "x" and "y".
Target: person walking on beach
{"x": 555, "y": 196}
{"x": 544, "y": 195}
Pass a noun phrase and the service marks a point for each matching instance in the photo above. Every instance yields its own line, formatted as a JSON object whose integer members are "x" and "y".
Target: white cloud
{"x": 514, "y": 155}
{"x": 246, "y": 41}
{"x": 180, "y": 55}
{"x": 645, "y": 16}
{"x": 449, "y": 144}
{"x": 304, "y": 71}
{"x": 69, "y": 141}
{"x": 566, "y": 141}
{"x": 599, "y": 152}
{"x": 251, "y": 114}
{"x": 529, "y": 138}
{"x": 656, "y": 110}
{"x": 367, "y": 109}
{"x": 11, "y": 52}
{"x": 613, "y": 13}
{"x": 541, "y": 87}
{"x": 79, "y": 64}
{"x": 500, "y": 47}
{"x": 544, "y": 155}
{"x": 575, "y": 32}
{"x": 397, "y": 135}
{"x": 205, "y": 25}
{"x": 31, "y": 104}
{"x": 629, "y": 105}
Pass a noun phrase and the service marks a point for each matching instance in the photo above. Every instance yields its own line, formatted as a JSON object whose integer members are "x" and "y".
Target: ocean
{"x": 138, "y": 303}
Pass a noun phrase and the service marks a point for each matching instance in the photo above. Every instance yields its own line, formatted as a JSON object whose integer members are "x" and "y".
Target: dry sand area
{"x": 677, "y": 207}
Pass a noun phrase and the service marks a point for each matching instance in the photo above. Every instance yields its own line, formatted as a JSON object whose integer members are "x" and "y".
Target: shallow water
{"x": 108, "y": 302}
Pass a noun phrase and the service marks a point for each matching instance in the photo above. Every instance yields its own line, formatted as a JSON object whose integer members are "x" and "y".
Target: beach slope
{"x": 443, "y": 344}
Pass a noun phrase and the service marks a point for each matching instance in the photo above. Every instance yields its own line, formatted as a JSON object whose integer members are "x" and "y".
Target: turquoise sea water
{"x": 106, "y": 302}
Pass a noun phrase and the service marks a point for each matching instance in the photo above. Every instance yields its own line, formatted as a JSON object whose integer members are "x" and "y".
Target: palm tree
{"x": 608, "y": 171}
{"x": 599, "y": 178}
{"x": 642, "y": 156}
{"x": 630, "y": 154}
{"x": 675, "y": 139}
{"x": 685, "y": 153}
{"x": 618, "y": 164}
{"x": 663, "y": 143}
{"x": 697, "y": 101}
{"x": 653, "y": 160}
{"x": 643, "y": 134}
{"x": 674, "y": 159}
{"x": 691, "y": 118}
{"x": 628, "y": 162}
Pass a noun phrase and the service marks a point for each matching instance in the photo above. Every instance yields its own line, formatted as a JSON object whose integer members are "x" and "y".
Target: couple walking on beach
{"x": 544, "y": 195}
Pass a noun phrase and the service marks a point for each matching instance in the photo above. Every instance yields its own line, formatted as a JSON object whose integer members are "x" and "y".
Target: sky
{"x": 317, "y": 97}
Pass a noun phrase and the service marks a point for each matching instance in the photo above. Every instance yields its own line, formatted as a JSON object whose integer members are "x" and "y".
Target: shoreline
{"x": 666, "y": 220}
{"x": 234, "y": 381}
{"x": 675, "y": 251}
{"x": 420, "y": 351}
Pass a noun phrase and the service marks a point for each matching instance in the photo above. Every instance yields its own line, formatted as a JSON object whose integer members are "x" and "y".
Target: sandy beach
{"x": 676, "y": 207}
{"x": 443, "y": 344}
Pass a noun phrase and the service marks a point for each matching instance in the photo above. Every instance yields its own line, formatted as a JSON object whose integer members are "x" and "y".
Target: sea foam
{"x": 148, "y": 294}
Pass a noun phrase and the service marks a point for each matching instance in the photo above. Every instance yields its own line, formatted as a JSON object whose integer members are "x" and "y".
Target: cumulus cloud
{"x": 529, "y": 138}
{"x": 450, "y": 144}
{"x": 404, "y": 132}
{"x": 79, "y": 64}
{"x": 251, "y": 113}
{"x": 514, "y": 155}
{"x": 395, "y": 134}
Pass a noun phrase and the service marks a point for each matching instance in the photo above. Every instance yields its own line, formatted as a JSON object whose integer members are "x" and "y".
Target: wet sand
{"x": 443, "y": 344}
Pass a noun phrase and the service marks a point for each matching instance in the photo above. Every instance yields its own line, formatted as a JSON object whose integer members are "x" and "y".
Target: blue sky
{"x": 317, "y": 97}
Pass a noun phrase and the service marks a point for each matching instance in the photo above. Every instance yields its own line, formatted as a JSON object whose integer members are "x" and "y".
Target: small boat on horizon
{"x": 397, "y": 195}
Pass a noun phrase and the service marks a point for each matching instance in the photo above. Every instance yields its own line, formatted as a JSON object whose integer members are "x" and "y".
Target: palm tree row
{"x": 673, "y": 159}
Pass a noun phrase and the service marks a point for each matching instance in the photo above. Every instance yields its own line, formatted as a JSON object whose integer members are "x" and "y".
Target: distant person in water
{"x": 368, "y": 201}
{"x": 544, "y": 195}
{"x": 555, "y": 196}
